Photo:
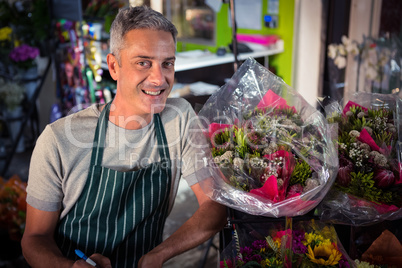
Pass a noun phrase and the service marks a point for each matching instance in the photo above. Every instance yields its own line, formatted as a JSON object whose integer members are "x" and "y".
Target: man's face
{"x": 146, "y": 73}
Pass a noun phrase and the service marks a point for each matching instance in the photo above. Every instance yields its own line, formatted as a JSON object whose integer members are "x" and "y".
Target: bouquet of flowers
{"x": 368, "y": 187}
{"x": 13, "y": 206}
{"x": 271, "y": 155}
{"x": 308, "y": 244}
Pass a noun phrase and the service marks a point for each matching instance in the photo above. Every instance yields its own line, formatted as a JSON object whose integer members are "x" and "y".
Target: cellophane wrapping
{"x": 269, "y": 150}
{"x": 368, "y": 187}
{"x": 306, "y": 243}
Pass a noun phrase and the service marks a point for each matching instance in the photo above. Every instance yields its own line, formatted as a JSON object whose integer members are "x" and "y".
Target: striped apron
{"x": 119, "y": 214}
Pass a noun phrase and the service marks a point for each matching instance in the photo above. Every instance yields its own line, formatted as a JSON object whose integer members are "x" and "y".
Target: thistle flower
{"x": 383, "y": 178}
{"x": 345, "y": 167}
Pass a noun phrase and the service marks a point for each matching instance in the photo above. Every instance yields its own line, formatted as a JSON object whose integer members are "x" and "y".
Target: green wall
{"x": 282, "y": 62}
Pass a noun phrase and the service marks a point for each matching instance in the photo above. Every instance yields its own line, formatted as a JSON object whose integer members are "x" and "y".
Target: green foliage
{"x": 273, "y": 246}
{"x": 239, "y": 183}
{"x": 335, "y": 117}
{"x": 241, "y": 142}
{"x": 222, "y": 137}
{"x": 362, "y": 185}
{"x": 383, "y": 137}
{"x": 301, "y": 173}
{"x": 346, "y": 139}
{"x": 373, "y": 113}
{"x": 360, "y": 123}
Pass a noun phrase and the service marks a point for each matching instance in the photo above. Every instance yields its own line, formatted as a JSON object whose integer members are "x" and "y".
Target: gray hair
{"x": 131, "y": 18}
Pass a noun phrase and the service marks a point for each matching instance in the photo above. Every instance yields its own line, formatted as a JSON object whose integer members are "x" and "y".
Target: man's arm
{"x": 209, "y": 218}
{"x": 38, "y": 244}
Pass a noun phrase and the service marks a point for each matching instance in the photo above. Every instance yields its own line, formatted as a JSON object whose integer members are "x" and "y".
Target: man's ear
{"x": 113, "y": 66}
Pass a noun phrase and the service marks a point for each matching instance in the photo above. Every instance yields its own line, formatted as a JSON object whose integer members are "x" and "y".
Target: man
{"x": 108, "y": 192}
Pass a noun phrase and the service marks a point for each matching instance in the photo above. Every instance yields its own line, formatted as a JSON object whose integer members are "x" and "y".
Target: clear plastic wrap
{"x": 303, "y": 244}
{"x": 270, "y": 154}
{"x": 368, "y": 188}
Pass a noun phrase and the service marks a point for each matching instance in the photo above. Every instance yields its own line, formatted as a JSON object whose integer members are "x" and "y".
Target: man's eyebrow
{"x": 152, "y": 58}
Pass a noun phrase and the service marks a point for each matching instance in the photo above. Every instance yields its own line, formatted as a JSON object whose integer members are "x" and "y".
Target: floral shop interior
{"x": 298, "y": 101}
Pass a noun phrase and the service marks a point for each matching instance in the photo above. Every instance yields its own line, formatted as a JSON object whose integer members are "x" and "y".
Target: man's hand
{"x": 101, "y": 262}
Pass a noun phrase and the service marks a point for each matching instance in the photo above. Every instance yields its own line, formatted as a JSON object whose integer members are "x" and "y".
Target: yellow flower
{"x": 312, "y": 237}
{"x": 5, "y": 33}
{"x": 324, "y": 254}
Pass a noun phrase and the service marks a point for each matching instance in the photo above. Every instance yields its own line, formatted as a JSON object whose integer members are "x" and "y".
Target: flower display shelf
{"x": 29, "y": 110}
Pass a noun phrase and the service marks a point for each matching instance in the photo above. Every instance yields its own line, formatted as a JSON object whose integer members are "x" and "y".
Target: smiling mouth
{"x": 153, "y": 93}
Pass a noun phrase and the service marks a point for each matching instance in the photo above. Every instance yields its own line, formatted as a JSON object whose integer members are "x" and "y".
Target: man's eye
{"x": 169, "y": 64}
{"x": 144, "y": 63}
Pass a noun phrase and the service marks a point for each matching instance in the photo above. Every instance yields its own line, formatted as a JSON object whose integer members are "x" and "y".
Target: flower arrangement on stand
{"x": 307, "y": 244}
{"x": 13, "y": 206}
{"x": 270, "y": 151}
{"x": 377, "y": 59}
{"x": 23, "y": 56}
{"x": 368, "y": 187}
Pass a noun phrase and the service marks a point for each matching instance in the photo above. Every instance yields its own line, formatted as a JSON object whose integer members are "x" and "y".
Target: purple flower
{"x": 24, "y": 53}
{"x": 343, "y": 262}
{"x": 256, "y": 258}
{"x": 298, "y": 246}
{"x": 259, "y": 244}
{"x": 246, "y": 251}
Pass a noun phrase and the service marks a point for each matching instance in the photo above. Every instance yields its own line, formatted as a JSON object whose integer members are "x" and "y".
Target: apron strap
{"x": 162, "y": 141}
{"x": 100, "y": 136}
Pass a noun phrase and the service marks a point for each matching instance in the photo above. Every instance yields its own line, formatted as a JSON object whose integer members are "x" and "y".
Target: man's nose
{"x": 156, "y": 76}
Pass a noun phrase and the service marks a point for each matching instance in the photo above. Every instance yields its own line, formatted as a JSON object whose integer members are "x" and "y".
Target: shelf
{"x": 190, "y": 63}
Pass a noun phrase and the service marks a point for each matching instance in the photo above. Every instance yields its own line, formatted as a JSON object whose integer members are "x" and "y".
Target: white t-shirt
{"x": 61, "y": 158}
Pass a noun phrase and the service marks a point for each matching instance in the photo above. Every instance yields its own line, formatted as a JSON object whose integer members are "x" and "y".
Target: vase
{"x": 14, "y": 127}
{"x": 30, "y": 80}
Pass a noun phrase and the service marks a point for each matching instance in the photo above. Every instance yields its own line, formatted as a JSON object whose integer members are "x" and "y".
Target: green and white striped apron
{"x": 120, "y": 215}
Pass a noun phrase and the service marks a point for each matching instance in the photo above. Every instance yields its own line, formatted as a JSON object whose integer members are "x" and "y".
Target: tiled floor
{"x": 184, "y": 207}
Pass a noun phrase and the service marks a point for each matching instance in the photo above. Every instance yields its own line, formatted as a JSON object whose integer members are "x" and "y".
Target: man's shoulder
{"x": 76, "y": 122}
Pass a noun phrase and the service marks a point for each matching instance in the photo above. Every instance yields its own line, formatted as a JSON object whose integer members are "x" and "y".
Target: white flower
{"x": 11, "y": 94}
{"x": 345, "y": 40}
{"x": 342, "y": 50}
{"x": 340, "y": 62}
{"x": 353, "y": 49}
{"x": 332, "y": 51}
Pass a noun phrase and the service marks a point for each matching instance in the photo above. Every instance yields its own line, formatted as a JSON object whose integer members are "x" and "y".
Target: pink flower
{"x": 287, "y": 164}
{"x": 216, "y": 128}
{"x": 366, "y": 138}
{"x": 271, "y": 99}
{"x": 350, "y": 104}
{"x": 384, "y": 178}
{"x": 269, "y": 190}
